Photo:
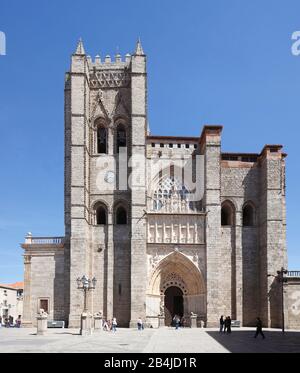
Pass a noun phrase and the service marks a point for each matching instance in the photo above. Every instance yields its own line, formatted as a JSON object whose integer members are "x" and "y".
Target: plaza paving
{"x": 164, "y": 340}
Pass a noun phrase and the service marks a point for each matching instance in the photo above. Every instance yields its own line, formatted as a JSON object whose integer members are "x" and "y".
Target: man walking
{"x": 259, "y": 328}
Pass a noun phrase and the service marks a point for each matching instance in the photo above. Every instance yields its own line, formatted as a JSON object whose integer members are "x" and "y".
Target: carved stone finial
{"x": 139, "y": 49}
{"x": 80, "y": 49}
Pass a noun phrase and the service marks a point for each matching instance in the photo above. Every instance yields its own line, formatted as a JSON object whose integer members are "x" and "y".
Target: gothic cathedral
{"x": 166, "y": 225}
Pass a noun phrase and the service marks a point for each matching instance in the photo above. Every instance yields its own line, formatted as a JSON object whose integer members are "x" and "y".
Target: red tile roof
{"x": 16, "y": 285}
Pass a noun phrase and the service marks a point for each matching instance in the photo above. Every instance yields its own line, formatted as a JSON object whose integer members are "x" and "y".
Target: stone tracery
{"x": 171, "y": 195}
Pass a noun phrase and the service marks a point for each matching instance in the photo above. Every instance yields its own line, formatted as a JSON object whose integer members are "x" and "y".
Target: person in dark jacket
{"x": 228, "y": 324}
{"x": 259, "y": 328}
{"x": 222, "y": 324}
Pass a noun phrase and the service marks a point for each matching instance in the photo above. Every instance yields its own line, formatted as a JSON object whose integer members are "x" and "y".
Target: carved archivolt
{"x": 173, "y": 279}
{"x": 176, "y": 270}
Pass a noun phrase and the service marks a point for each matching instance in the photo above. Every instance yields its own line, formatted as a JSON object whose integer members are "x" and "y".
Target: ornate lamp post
{"x": 281, "y": 279}
{"x": 86, "y": 284}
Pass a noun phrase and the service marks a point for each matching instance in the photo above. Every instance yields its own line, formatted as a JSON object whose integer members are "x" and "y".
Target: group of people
{"x": 225, "y": 326}
{"x": 8, "y": 322}
{"x": 110, "y": 325}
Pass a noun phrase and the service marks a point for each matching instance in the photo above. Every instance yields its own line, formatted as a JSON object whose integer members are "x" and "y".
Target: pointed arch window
{"x": 121, "y": 215}
{"x": 121, "y": 137}
{"x": 248, "y": 215}
{"x": 101, "y": 140}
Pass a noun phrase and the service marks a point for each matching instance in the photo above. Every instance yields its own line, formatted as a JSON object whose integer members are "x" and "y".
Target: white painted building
{"x": 11, "y": 300}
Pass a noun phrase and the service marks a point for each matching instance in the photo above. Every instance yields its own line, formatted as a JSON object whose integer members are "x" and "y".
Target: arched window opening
{"x": 227, "y": 216}
{"x": 101, "y": 218}
{"x": 121, "y": 137}
{"x": 121, "y": 215}
{"x": 248, "y": 216}
{"x": 101, "y": 140}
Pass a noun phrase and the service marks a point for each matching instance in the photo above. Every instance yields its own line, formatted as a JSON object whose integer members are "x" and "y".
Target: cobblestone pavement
{"x": 150, "y": 340}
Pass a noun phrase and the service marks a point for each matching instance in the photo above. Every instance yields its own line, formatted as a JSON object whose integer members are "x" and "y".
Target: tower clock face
{"x": 109, "y": 177}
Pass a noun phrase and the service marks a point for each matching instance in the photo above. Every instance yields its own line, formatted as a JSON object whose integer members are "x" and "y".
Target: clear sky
{"x": 209, "y": 62}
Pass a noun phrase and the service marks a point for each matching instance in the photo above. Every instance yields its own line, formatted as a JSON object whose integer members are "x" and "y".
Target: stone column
{"x": 161, "y": 321}
{"x": 210, "y": 146}
{"x": 161, "y": 316}
{"x": 138, "y": 185}
{"x": 193, "y": 320}
{"x": 77, "y": 169}
{"x": 98, "y": 322}
{"x": 238, "y": 267}
{"x": 42, "y": 323}
{"x": 110, "y": 271}
{"x": 27, "y": 316}
{"x": 273, "y": 254}
{"x": 86, "y": 324}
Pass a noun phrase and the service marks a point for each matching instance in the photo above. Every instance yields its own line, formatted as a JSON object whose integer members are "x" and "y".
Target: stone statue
{"x": 42, "y": 312}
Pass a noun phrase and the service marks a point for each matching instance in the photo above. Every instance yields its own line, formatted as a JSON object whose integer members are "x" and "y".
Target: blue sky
{"x": 209, "y": 62}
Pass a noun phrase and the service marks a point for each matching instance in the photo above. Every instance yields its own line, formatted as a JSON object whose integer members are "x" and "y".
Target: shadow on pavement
{"x": 244, "y": 341}
{"x": 57, "y": 333}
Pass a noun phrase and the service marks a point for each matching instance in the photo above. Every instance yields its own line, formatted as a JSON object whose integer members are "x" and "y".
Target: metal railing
{"x": 44, "y": 240}
{"x": 293, "y": 274}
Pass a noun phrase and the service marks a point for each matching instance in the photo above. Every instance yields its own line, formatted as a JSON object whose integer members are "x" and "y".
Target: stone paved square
{"x": 163, "y": 340}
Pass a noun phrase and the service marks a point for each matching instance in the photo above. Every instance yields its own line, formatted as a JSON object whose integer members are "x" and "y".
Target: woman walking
{"x": 114, "y": 324}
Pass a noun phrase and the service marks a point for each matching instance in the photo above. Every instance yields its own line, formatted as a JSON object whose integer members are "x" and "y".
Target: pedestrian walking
{"x": 183, "y": 322}
{"x": 140, "y": 324}
{"x": 105, "y": 325}
{"x": 0, "y": 321}
{"x": 114, "y": 324}
{"x": 259, "y": 328}
{"x": 222, "y": 324}
{"x": 18, "y": 322}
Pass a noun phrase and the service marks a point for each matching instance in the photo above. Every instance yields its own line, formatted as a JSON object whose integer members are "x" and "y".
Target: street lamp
{"x": 85, "y": 284}
{"x": 281, "y": 279}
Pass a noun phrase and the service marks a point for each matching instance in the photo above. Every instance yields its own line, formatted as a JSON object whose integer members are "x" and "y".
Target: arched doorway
{"x": 175, "y": 276}
{"x": 173, "y": 304}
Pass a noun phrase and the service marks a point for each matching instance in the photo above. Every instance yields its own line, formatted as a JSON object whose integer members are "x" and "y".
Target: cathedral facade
{"x": 167, "y": 225}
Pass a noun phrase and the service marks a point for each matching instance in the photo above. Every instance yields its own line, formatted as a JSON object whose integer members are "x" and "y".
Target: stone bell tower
{"x": 105, "y": 136}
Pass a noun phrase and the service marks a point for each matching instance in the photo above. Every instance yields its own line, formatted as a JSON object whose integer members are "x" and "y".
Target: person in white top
{"x": 114, "y": 324}
{"x": 140, "y": 324}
